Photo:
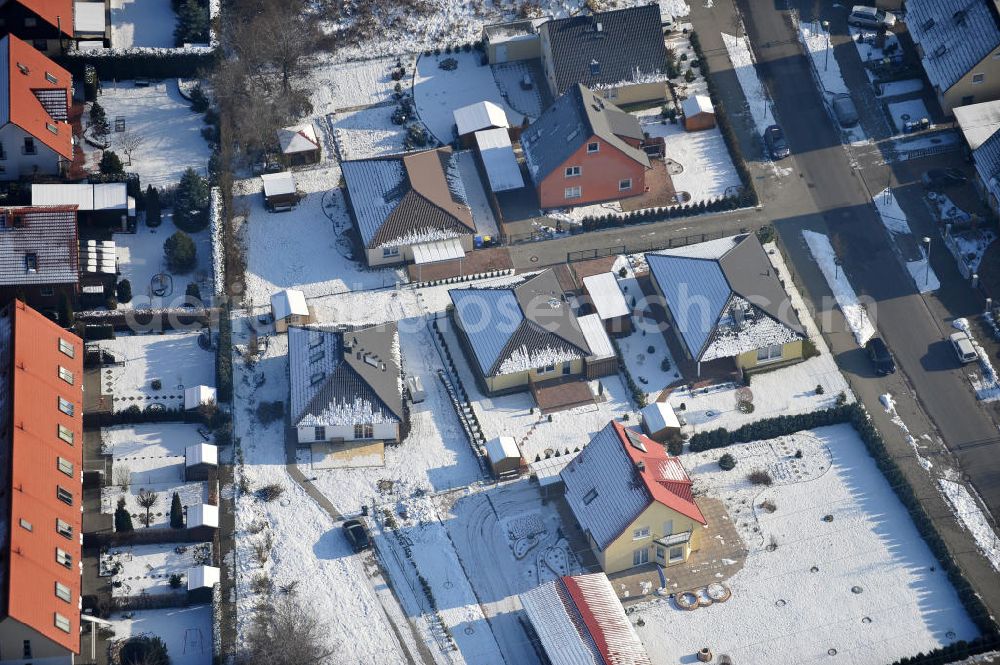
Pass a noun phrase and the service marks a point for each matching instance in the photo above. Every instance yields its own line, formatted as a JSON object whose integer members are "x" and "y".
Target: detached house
{"x": 35, "y": 97}
{"x": 959, "y": 46}
{"x": 632, "y": 500}
{"x": 584, "y": 149}
{"x": 39, "y": 254}
{"x": 980, "y": 125}
{"x": 53, "y": 26}
{"x": 346, "y": 385}
{"x": 724, "y": 303}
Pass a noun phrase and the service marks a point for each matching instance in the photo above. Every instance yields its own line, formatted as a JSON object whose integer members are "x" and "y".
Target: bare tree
{"x": 286, "y": 633}
{"x": 123, "y": 476}
{"x": 130, "y": 142}
{"x": 147, "y": 499}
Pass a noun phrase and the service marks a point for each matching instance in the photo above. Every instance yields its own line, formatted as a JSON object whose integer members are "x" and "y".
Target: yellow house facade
{"x": 659, "y": 535}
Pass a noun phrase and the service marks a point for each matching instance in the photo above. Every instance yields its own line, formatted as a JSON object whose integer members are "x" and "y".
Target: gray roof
{"x": 628, "y": 46}
{"x": 406, "y": 199}
{"x": 520, "y": 327}
{"x": 46, "y": 233}
{"x": 569, "y": 123}
{"x": 954, "y": 35}
{"x": 987, "y": 160}
{"x": 344, "y": 377}
{"x": 704, "y": 284}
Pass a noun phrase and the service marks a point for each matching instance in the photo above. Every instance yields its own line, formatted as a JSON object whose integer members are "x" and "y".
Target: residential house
{"x": 724, "y": 302}
{"x": 632, "y": 500}
{"x": 578, "y": 620}
{"x": 405, "y": 206}
{"x": 699, "y": 113}
{"x": 100, "y": 204}
{"x": 35, "y": 134}
{"x": 39, "y": 255}
{"x": 299, "y": 145}
{"x": 519, "y": 335}
{"x": 475, "y": 117}
{"x": 979, "y": 124}
{"x": 958, "y": 42}
{"x": 346, "y": 385}
{"x": 54, "y": 26}
{"x": 41, "y": 488}
{"x": 289, "y": 308}
{"x": 604, "y": 295}
{"x": 584, "y": 149}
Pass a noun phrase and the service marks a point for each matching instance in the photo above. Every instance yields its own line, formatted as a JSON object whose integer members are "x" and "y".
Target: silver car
{"x": 873, "y": 18}
{"x": 963, "y": 346}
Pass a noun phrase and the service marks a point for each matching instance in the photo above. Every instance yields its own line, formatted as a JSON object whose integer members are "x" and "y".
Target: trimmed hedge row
{"x": 125, "y": 65}
{"x": 770, "y": 428}
{"x": 224, "y": 360}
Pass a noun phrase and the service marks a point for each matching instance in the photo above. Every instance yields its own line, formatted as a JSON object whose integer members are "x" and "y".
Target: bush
{"x": 727, "y": 462}
{"x": 192, "y": 23}
{"x": 111, "y": 163}
{"x": 123, "y": 291}
{"x": 224, "y": 361}
{"x": 123, "y": 520}
{"x": 268, "y": 412}
{"x": 270, "y": 492}
{"x": 689, "y": 76}
{"x": 819, "y": 389}
{"x": 144, "y": 650}
{"x": 760, "y": 477}
{"x": 199, "y": 101}
{"x": 176, "y": 512}
{"x": 180, "y": 252}
{"x": 156, "y": 384}
{"x": 191, "y": 201}
{"x": 192, "y": 294}
{"x": 770, "y": 428}
{"x": 675, "y": 444}
{"x": 665, "y": 365}
{"x": 99, "y": 121}
{"x": 223, "y": 435}
{"x": 175, "y": 579}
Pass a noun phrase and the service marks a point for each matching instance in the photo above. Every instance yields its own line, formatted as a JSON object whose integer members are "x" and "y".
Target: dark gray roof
{"x": 46, "y": 233}
{"x": 955, "y": 35}
{"x": 570, "y": 122}
{"x": 344, "y": 377}
{"x": 628, "y": 46}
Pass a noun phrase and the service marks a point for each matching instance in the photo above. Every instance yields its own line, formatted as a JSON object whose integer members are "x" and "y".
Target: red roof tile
{"x": 58, "y": 13}
{"x": 29, "y": 75}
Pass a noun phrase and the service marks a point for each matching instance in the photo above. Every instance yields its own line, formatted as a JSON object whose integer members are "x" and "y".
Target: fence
{"x": 637, "y": 247}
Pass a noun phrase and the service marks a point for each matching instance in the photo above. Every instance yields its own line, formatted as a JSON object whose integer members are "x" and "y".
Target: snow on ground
{"x": 142, "y": 23}
{"x": 140, "y": 258}
{"x": 509, "y": 76}
{"x": 146, "y": 569}
{"x": 863, "y": 586}
{"x": 972, "y": 245}
{"x": 864, "y": 40}
{"x": 186, "y": 631}
{"x": 170, "y": 131}
{"x": 355, "y": 84}
{"x": 475, "y": 193}
{"x": 890, "y": 407}
{"x": 307, "y": 248}
{"x": 155, "y": 480}
{"x": 438, "y": 92}
{"x": 174, "y": 358}
{"x": 151, "y": 453}
{"x": 826, "y": 70}
{"x": 969, "y": 514}
{"x": 368, "y": 133}
{"x": 894, "y": 219}
{"x": 854, "y": 312}
{"x": 987, "y": 383}
{"x": 904, "y": 87}
{"x": 946, "y": 209}
{"x": 911, "y": 110}
{"x": 744, "y": 65}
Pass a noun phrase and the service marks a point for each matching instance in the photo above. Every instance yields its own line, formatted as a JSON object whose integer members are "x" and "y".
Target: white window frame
{"x": 26, "y": 525}
{"x": 66, "y": 406}
{"x": 66, "y": 375}
{"x": 65, "y": 433}
{"x": 978, "y": 78}
{"x": 64, "y": 529}
{"x": 64, "y": 466}
{"x": 622, "y": 187}
{"x": 769, "y": 353}
{"x": 670, "y": 554}
{"x": 64, "y": 495}
{"x": 67, "y": 348}
{"x": 668, "y": 528}
{"x": 641, "y": 533}
{"x": 64, "y": 558}
{"x": 62, "y": 623}
{"x": 319, "y": 433}
{"x": 573, "y": 171}
{"x": 51, "y": 78}
{"x": 573, "y": 193}
{"x": 596, "y": 145}
{"x": 64, "y": 593}
{"x": 640, "y": 556}
{"x": 389, "y": 252}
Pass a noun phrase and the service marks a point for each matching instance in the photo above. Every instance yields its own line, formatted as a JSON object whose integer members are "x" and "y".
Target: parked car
{"x": 964, "y": 349}
{"x": 879, "y": 354}
{"x": 357, "y": 535}
{"x": 777, "y": 146}
{"x": 844, "y": 109}
{"x": 863, "y": 16}
{"x": 943, "y": 178}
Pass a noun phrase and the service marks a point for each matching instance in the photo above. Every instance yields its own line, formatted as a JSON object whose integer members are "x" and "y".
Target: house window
{"x": 593, "y": 146}
{"x": 573, "y": 171}
{"x": 978, "y": 78}
{"x": 64, "y": 558}
{"x": 567, "y": 367}
{"x": 547, "y": 369}
{"x": 66, "y": 406}
{"x": 29, "y": 145}
{"x": 63, "y": 592}
{"x": 66, "y": 434}
{"x": 26, "y": 649}
{"x": 319, "y": 433}
{"x": 573, "y": 193}
{"x": 64, "y": 529}
{"x": 389, "y": 252}
{"x": 364, "y": 431}
{"x": 65, "y": 466}
{"x": 768, "y": 353}
{"x": 640, "y": 556}
{"x": 640, "y": 533}
{"x": 611, "y": 93}
{"x": 31, "y": 262}
{"x": 968, "y": 99}
{"x": 3, "y": 153}
{"x": 30, "y": 22}
{"x": 47, "y": 291}
{"x": 51, "y": 78}
{"x": 67, "y": 348}
{"x": 66, "y": 375}
{"x": 668, "y": 528}
{"x": 589, "y": 497}
{"x": 52, "y": 128}
{"x": 25, "y": 524}
{"x": 62, "y": 623}
{"x": 625, "y": 185}
{"x": 676, "y": 554}
{"x": 64, "y": 495}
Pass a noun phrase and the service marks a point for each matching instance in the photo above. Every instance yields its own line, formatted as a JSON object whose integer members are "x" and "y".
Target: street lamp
{"x": 836, "y": 268}
{"x": 927, "y": 257}
{"x": 826, "y": 62}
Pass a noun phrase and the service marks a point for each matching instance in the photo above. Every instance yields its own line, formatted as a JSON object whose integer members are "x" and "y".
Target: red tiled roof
{"x": 26, "y": 82}
{"x": 58, "y": 13}
{"x": 663, "y": 475}
{"x": 35, "y": 387}
{"x": 605, "y": 620}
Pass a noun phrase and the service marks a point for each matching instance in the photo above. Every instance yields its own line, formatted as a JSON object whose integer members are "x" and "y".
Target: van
{"x": 964, "y": 349}
{"x": 415, "y": 387}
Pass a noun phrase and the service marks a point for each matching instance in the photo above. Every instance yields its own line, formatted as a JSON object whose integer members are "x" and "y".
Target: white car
{"x": 872, "y": 18}
{"x": 964, "y": 349}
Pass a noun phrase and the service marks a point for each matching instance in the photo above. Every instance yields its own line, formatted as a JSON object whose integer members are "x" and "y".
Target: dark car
{"x": 844, "y": 109}
{"x": 777, "y": 146}
{"x": 357, "y": 535}
{"x": 943, "y": 178}
{"x": 879, "y": 354}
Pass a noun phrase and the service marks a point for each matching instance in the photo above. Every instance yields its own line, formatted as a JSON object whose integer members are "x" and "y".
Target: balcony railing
{"x": 675, "y": 539}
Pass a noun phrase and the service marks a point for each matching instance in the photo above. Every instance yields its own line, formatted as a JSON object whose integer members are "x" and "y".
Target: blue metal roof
{"x": 489, "y": 317}
{"x": 696, "y": 291}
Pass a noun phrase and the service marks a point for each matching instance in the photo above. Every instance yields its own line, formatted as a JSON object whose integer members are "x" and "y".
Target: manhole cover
{"x": 832, "y": 652}
{"x": 779, "y": 603}
{"x": 866, "y": 619}
{"x": 814, "y": 569}
{"x": 856, "y": 589}
{"x": 534, "y": 259}
{"x": 469, "y": 630}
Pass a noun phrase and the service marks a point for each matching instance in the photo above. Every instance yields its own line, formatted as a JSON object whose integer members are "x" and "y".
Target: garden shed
{"x": 504, "y": 455}
{"x": 659, "y": 421}
{"x": 200, "y": 582}
{"x": 199, "y": 460}
{"x": 279, "y": 191}
{"x": 699, "y": 113}
{"x": 198, "y": 396}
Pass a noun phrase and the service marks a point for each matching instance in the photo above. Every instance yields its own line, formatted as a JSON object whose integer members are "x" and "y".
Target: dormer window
{"x": 50, "y": 77}
{"x": 23, "y": 68}
{"x": 31, "y": 262}
{"x": 52, "y": 128}
{"x": 593, "y": 146}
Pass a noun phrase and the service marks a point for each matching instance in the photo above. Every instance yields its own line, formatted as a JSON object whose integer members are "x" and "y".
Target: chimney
{"x": 738, "y": 315}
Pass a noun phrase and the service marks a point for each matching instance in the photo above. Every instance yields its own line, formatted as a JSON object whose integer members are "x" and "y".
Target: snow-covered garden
{"x": 147, "y": 23}
{"x": 185, "y": 631}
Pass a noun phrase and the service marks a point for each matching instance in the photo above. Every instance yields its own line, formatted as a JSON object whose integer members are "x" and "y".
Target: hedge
{"x": 770, "y": 428}
{"x": 162, "y": 64}
{"x": 224, "y": 360}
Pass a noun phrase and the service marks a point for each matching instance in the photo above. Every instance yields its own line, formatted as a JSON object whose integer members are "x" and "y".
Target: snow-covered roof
{"x": 39, "y": 246}
{"x": 987, "y": 160}
{"x": 742, "y": 327}
{"x": 696, "y": 104}
{"x": 196, "y": 396}
{"x": 606, "y": 295}
{"x": 440, "y": 250}
{"x": 547, "y": 470}
{"x": 502, "y": 448}
{"x": 954, "y": 36}
{"x": 596, "y": 336}
{"x": 658, "y": 416}
{"x": 978, "y": 122}
{"x": 290, "y": 302}
{"x": 278, "y": 184}
{"x": 202, "y": 514}
{"x": 580, "y": 621}
{"x": 201, "y": 453}
{"x": 202, "y": 577}
{"x": 88, "y": 17}
{"x": 481, "y": 115}
{"x": 86, "y": 196}
{"x": 499, "y": 160}
{"x": 299, "y": 138}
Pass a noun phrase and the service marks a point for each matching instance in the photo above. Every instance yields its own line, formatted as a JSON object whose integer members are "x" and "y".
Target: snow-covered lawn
{"x": 368, "y": 133}
{"x": 146, "y": 569}
{"x": 894, "y": 219}
{"x": 173, "y": 358}
{"x": 353, "y": 84}
{"x": 964, "y": 505}
{"x": 854, "y": 312}
{"x": 860, "y": 584}
{"x": 145, "y": 448}
{"x": 142, "y": 23}
{"x": 912, "y": 110}
{"x": 157, "y": 481}
{"x": 438, "y": 92}
{"x": 864, "y": 41}
{"x": 645, "y": 367}
{"x": 306, "y": 248}
{"x": 170, "y": 131}
{"x": 140, "y": 258}
{"x": 904, "y": 87}
{"x": 186, "y": 631}
{"x": 744, "y": 65}
{"x": 972, "y": 245}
